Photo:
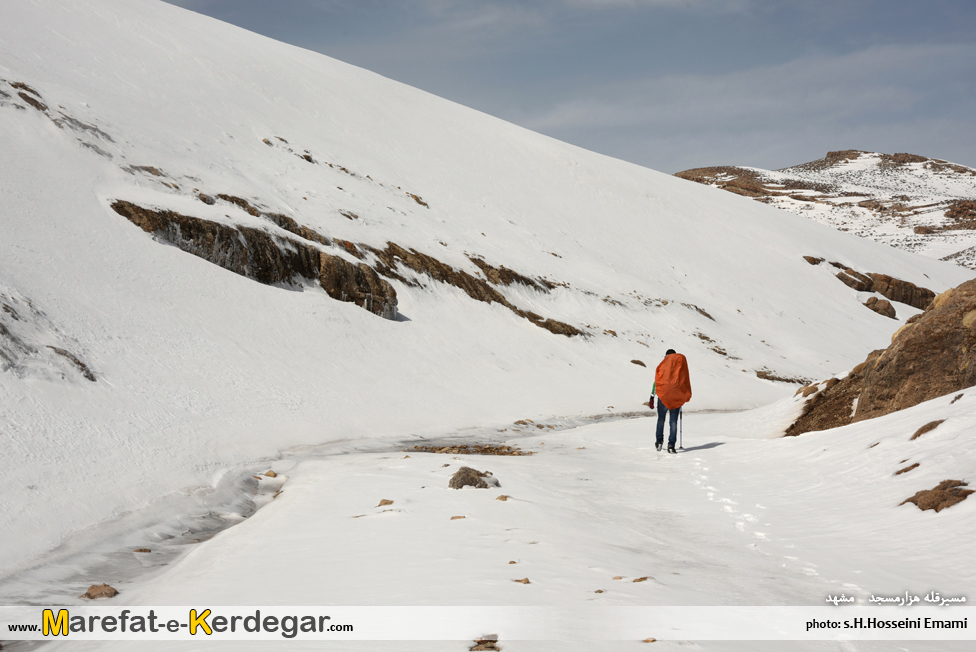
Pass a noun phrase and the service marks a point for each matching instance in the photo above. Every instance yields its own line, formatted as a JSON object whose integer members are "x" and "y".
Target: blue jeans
{"x": 662, "y": 413}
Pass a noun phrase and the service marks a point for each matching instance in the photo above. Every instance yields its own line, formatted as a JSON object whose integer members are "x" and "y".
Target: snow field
{"x": 728, "y": 521}
{"x": 205, "y": 376}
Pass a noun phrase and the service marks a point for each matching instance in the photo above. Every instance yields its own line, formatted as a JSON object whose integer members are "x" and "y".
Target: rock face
{"x": 271, "y": 258}
{"x": 881, "y": 306}
{"x": 932, "y": 355}
{"x": 468, "y": 477}
{"x": 889, "y": 287}
{"x": 902, "y": 291}
{"x": 264, "y": 257}
{"x": 478, "y": 289}
{"x": 856, "y": 280}
{"x": 928, "y": 358}
{"x": 99, "y": 591}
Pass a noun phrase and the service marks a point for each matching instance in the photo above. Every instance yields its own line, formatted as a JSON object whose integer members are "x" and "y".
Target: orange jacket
{"x": 672, "y": 382}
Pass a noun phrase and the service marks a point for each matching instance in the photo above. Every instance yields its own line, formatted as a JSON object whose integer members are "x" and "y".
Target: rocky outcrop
{"x": 887, "y": 286}
{"x": 96, "y": 591}
{"x": 929, "y": 357}
{"x": 478, "y": 289}
{"x": 901, "y": 291}
{"x": 943, "y": 496}
{"x": 856, "y": 280}
{"x": 932, "y": 355}
{"x": 468, "y": 477}
{"x": 264, "y": 257}
{"x": 24, "y": 333}
{"x": 504, "y": 276}
{"x": 881, "y": 306}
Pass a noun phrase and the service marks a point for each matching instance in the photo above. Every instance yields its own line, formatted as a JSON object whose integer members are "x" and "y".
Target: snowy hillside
{"x": 907, "y": 201}
{"x": 237, "y": 248}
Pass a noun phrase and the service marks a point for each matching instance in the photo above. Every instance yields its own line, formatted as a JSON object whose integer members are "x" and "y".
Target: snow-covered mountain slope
{"x": 907, "y": 201}
{"x": 297, "y": 172}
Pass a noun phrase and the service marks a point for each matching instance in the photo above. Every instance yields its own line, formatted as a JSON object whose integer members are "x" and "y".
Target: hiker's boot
{"x": 671, "y": 449}
{"x": 658, "y": 445}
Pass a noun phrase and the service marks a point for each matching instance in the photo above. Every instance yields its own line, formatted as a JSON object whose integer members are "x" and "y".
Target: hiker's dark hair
{"x": 670, "y": 351}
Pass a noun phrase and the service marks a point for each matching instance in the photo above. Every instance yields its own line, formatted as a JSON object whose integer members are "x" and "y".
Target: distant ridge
{"x": 925, "y": 205}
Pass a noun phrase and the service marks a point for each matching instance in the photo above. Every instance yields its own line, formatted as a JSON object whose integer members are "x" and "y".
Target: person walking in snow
{"x": 673, "y": 388}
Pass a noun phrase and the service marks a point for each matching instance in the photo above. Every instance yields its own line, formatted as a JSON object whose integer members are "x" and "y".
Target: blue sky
{"x": 669, "y": 84}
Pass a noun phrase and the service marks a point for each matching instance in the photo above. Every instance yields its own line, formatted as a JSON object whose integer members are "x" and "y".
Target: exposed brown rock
{"x": 928, "y": 427}
{"x": 96, "y": 591}
{"x": 485, "y": 643}
{"x": 945, "y": 495}
{"x": 271, "y": 474}
{"x": 82, "y": 367}
{"x": 856, "y": 280}
{"x": 37, "y": 104}
{"x": 478, "y": 289}
{"x": 901, "y": 291}
{"x": 812, "y": 260}
{"x": 468, "y": 477}
{"x": 206, "y": 199}
{"x": 473, "y": 449}
{"x": 833, "y": 406}
{"x": 417, "y": 199}
{"x": 503, "y": 498}
{"x": 923, "y": 230}
{"x": 907, "y": 469}
{"x": 457, "y": 518}
{"x": 524, "y": 580}
{"x": 148, "y": 169}
{"x": 931, "y": 357}
{"x": 268, "y": 259}
{"x": 768, "y": 374}
{"x": 881, "y": 306}
{"x": 504, "y": 276}
{"x": 700, "y": 311}
{"x": 241, "y": 203}
{"x": 384, "y": 502}
{"x": 21, "y": 86}
{"x": 638, "y": 362}
{"x": 142, "y": 550}
{"x": 962, "y": 211}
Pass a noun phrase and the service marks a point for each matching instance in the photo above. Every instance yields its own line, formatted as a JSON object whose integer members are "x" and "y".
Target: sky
{"x": 668, "y": 84}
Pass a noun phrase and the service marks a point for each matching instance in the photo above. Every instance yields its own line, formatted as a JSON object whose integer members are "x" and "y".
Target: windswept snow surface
{"x": 199, "y": 370}
{"x": 728, "y": 521}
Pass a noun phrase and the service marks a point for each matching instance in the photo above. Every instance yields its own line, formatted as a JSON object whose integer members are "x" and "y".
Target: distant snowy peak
{"x": 912, "y": 202}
